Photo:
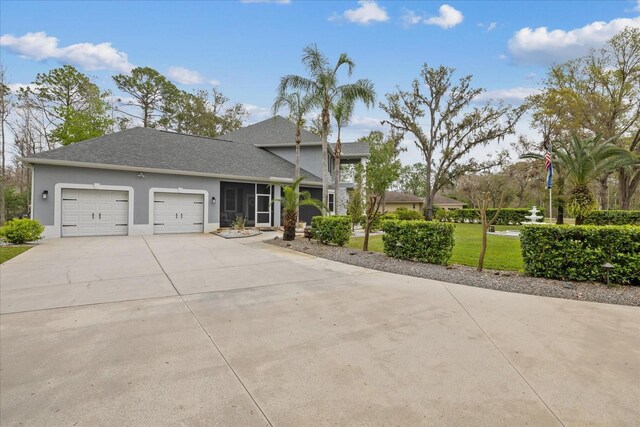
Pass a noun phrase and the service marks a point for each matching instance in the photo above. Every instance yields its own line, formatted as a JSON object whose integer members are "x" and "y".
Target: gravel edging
{"x": 507, "y": 281}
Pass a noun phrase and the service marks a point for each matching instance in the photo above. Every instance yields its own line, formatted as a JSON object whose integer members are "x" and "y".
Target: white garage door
{"x": 178, "y": 213}
{"x": 94, "y": 212}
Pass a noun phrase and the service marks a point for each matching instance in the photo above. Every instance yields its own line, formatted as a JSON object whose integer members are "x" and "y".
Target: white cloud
{"x": 449, "y": 17}
{"x": 637, "y": 8}
{"x": 368, "y": 12}
{"x": 188, "y": 77}
{"x": 492, "y": 26}
{"x": 530, "y": 76}
{"x": 410, "y": 18}
{"x": 257, "y": 113}
{"x": 40, "y": 47}
{"x": 541, "y": 46}
{"x": 515, "y": 95}
{"x": 15, "y": 87}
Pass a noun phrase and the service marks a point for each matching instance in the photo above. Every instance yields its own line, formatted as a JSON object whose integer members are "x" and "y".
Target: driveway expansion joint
{"x": 208, "y": 335}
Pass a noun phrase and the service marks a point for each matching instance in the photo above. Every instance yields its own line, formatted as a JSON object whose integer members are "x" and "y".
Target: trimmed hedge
{"x": 424, "y": 241}
{"x": 334, "y": 229}
{"x": 578, "y": 253}
{"x": 18, "y": 231}
{"x": 613, "y": 218}
{"x": 507, "y": 216}
{"x": 408, "y": 215}
{"x": 377, "y": 223}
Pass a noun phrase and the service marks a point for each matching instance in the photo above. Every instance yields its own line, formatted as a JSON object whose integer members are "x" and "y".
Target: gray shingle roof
{"x": 155, "y": 149}
{"x": 273, "y": 131}
{"x": 353, "y": 149}
{"x": 398, "y": 197}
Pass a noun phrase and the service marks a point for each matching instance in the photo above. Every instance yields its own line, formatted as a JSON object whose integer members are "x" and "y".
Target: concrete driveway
{"x": 195, "y": 329}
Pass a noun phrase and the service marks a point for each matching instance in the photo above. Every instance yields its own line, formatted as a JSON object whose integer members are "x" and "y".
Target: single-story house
{"x": 447, "y": 203}
{"x": 394, "y": 200}
{"x": 144, "y": 181}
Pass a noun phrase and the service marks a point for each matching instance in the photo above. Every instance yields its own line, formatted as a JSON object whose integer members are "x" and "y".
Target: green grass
{"x": 503, "y": 252}
{"x": 8, "y": 252}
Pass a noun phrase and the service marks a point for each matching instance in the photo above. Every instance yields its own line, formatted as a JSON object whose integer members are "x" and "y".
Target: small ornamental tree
{"x": 483, "y": 205}
{"x": 382, "y": 169}
{"x": 291, "y": 201}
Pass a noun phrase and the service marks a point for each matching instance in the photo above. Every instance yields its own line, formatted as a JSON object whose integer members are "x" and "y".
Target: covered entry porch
{"x": 253, "y": 202}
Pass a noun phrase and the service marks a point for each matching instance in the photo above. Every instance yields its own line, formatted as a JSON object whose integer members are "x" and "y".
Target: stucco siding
{"x": 46, "y": 177}
{"x": 310, "y": 157}
{"x": 391, "y": 207}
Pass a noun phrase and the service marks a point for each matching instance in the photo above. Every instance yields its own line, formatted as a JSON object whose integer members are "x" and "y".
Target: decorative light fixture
{"x": 213, "y": 200}
{"x": 45, "y": 193}
{"x": 140, "y": 175}
{"x": 607, "y": 266}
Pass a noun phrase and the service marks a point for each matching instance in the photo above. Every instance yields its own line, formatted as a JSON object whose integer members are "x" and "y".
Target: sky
{"x": 244, "y": 47}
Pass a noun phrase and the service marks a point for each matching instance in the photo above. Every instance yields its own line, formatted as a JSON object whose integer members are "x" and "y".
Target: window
{"x": 414, "y": 206}
{"x": 331, "y": 202}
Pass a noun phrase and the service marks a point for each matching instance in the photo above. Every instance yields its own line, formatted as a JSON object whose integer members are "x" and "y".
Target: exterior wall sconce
{"x": 140, "y": 175}
{"x": 213, "y": 200}
{"x": 45, "y": 193}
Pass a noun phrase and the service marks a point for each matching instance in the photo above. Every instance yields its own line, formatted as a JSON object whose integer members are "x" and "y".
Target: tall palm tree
{"x": 299, "y": 106}
{"x": 584, "y": 160}
{"x": 342, "y": 112}
{"x": 291, "y": 201}
{"x": 322, "y": 85}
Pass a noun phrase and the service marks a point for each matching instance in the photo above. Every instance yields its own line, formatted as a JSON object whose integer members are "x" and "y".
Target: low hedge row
{"x": 423, "y": 241}
{"x": 408, "y": 215}
{"x": 578, "y": 253}
{"x": 334, "y": 229}
{"x": 507, "y": 216}
{"x": 613, "y": 218}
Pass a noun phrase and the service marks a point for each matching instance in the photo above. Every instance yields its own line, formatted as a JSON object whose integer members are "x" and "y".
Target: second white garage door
{"x": 178, "y": 213}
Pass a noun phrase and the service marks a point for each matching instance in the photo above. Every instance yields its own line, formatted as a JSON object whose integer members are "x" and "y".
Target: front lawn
{"x": 503, "y": 252}
{"x": 8, "y": 252}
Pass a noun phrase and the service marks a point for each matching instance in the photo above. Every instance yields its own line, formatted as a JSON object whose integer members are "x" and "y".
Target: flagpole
{"x": 550, "y": 189}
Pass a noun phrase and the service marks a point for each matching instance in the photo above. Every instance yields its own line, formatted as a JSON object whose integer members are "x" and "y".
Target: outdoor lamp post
{"x": 607, "y": 266}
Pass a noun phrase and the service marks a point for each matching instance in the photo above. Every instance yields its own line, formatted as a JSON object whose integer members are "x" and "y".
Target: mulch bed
{"x": 507, "y": 281}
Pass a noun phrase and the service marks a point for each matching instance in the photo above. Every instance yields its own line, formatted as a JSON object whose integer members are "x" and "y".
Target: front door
{"x": 263, "y": 205}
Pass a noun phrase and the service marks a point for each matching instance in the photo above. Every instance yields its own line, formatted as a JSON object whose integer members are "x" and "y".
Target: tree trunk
{"x": 325, "y": 156}
{"x": 579, "y": 220}
{"x": 560, "y": 218}
{"x": 603, "y": 194}
{"x": 627, "y": 185}
{"x": 290, "y": 219}
{"x": 298, "y": 142}
{"x": 336, "y": 173}
{"x": 367, "y": 229}
{"x": 483, "y": 249}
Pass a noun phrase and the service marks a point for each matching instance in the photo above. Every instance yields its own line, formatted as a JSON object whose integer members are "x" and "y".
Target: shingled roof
{"x": 353, "y": 149}
{"x": 156, "y": 149}
{"x": 397, "y": 197}
{"x": 271, "y": 132}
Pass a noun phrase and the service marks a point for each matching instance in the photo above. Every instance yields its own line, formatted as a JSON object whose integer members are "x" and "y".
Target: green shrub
{"x": 334, "y": 229}
{"x": 613, "y": 218}
{"x": 424, "y": 241}
{"x": 19, "y": 231}
{"x": 408, "y": 215}
{"x": 377, "y": 222}
{"x": 507, "y": 216}
{"x": 578, "y": 253}
{"x": 444, "y": 215}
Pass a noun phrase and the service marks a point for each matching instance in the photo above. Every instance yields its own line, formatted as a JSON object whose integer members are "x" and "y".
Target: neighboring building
{"x": 394, "y": 200}
{"x": 144, "y": 181}
{"x": 447, "y": 203}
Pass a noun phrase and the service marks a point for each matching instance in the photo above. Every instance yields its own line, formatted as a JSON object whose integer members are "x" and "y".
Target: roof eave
{"x": 69, "y": 163}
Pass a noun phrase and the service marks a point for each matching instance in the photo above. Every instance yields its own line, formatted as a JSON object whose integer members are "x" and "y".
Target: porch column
{"x": 276, "y": 205}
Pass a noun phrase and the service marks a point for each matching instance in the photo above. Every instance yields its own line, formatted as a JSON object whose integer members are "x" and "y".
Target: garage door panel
{"x": 94, "y": 212}
{"x": 178, "y": 213}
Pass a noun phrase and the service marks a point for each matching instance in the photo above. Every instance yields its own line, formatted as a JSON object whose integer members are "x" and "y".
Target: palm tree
{"x": 322, "y": 86}
{"x": 291, "y": 201}
{"x": 298, "y": 106}
{"x": 584, "y": 160}
{"x": 342, "y": 111}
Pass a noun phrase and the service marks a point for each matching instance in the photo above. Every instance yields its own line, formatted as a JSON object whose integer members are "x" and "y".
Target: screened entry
{"x": 249, "y": 201}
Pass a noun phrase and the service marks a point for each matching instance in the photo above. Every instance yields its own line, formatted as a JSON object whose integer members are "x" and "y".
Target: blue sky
{"x": 245, "y": 47}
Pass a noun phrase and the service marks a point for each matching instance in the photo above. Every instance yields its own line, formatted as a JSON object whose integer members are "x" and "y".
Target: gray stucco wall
{"x": 46, "y": 177}
{"x": 310, "y": 157}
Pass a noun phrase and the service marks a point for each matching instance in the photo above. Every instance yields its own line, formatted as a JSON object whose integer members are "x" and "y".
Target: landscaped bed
{"x": 499, "y": 280}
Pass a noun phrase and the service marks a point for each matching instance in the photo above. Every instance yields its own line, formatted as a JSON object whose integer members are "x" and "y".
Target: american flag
{"x": 548, "y": 165}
